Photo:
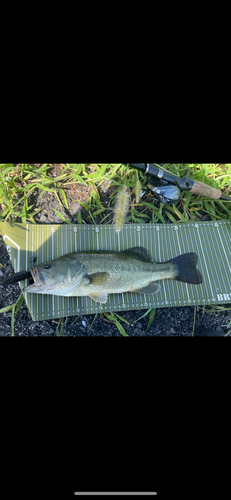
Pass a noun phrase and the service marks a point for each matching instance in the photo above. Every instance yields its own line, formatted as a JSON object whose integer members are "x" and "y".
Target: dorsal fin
{"x": 140, "y": 253}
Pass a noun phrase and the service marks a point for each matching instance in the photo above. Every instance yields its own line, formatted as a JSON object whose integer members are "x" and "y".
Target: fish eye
{"x": 47, "y": 266}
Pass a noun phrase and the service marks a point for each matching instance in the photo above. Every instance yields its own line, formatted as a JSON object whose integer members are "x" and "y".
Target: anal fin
{"x": 99, "y": 297}
{"x": 149, "y": 290}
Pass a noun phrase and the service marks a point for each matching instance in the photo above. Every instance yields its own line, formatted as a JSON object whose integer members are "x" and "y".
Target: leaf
{"x": 178, "y": 213}
{"x": 99, "y": 211}
{"x": 170, "y": 217}
{"x": 43, "y": 168}
{"x": 160, "y": 217}
{"x": 12, "y": 321}
{"x": 143, "y": 316}
{"x": 149, "y": 205}
{"x": 204, "y": 166}
{"x": 84, "y": 205}
{"x": 188, "y": 198}
{"x": 122, "y": 319}
{"x": 76, "y": 180}
{"x": 210, "y": 208}
{"x": 143, "y": 215}
{"x": 138, "y": 214}
{"x": 7, "y": 308}
{"x": 56, "y": 194}
{"x": 44, "y": 188}
{"x": 19, "y": 301}
{"x": 151, "y": 318}
{"x": 61, "y": 216}
{"x": 64, "y": 196}
{"x": 36, "y": 212}
{"x": 110, "y": 316}
{"x": 75, "y": 166}
{"x": 4, "y": 212}
{"x": 120, "y": 328}
{"x": 114, "y": 170}
{"x": 98, "y": 174}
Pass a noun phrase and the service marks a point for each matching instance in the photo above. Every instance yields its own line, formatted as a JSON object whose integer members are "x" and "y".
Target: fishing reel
{"x": 162, "y": 190}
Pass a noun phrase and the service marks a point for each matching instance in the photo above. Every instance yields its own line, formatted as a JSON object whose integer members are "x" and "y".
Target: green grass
{"x": 17, "y": 182}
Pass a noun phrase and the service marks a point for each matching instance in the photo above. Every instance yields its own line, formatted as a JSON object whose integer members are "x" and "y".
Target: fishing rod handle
{"x": 205, "y": 190}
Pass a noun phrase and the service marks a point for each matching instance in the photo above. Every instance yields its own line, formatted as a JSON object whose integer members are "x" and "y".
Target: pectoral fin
{"x": 99, "y": 297}
{"x": 98, "y": 279}
{"x": 149, "y": 290}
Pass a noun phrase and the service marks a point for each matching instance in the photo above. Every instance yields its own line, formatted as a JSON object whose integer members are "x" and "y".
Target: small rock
{"x": 172, "y": 330}
{"x": 43, "y": 218}
{"x": 84, "y": 323}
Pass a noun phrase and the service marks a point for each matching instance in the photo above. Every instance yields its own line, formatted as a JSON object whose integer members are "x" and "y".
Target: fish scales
{"x": 124, "y": 276}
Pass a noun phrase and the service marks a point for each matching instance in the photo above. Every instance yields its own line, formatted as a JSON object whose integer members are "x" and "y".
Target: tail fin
{"x": 187, "y": 270}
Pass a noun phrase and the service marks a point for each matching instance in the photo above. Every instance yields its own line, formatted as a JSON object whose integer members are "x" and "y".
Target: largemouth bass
{"x": 98, "y": 273}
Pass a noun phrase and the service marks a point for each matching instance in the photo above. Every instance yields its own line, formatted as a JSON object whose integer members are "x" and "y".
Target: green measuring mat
{"x": 210, "y": 240}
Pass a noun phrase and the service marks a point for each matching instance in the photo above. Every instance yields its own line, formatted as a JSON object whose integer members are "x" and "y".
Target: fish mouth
{"x": 38, "y": 281}
{"x": 37, "y": 277}
{"x": 40, "y": 284}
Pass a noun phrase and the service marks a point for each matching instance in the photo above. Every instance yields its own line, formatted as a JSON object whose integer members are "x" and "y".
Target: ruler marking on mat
{"x": 225, "y": 237}
{"x": 118, "y": 235}
{"x": 218, "y": 232}
{"x": 210, "y": 241}
{"x": 204, "y": 282}
{"x": 185, "y": 250}
{"x": 178, "y": 252}
{"x": 190, "y": 286}
{"x": 36, "y": 295}
{"x": 219, "y": 257}
{"x": 192, "y": 244}
{"x": 62, "y": 240}
{"x": 42, "y": 230}
{"x": 167, "y": 295}
{"x": 214, "y": 252}
{"x": 181, "y": 251}
{"x": 208, "y": 259}
{"x": 160, "y": 259}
